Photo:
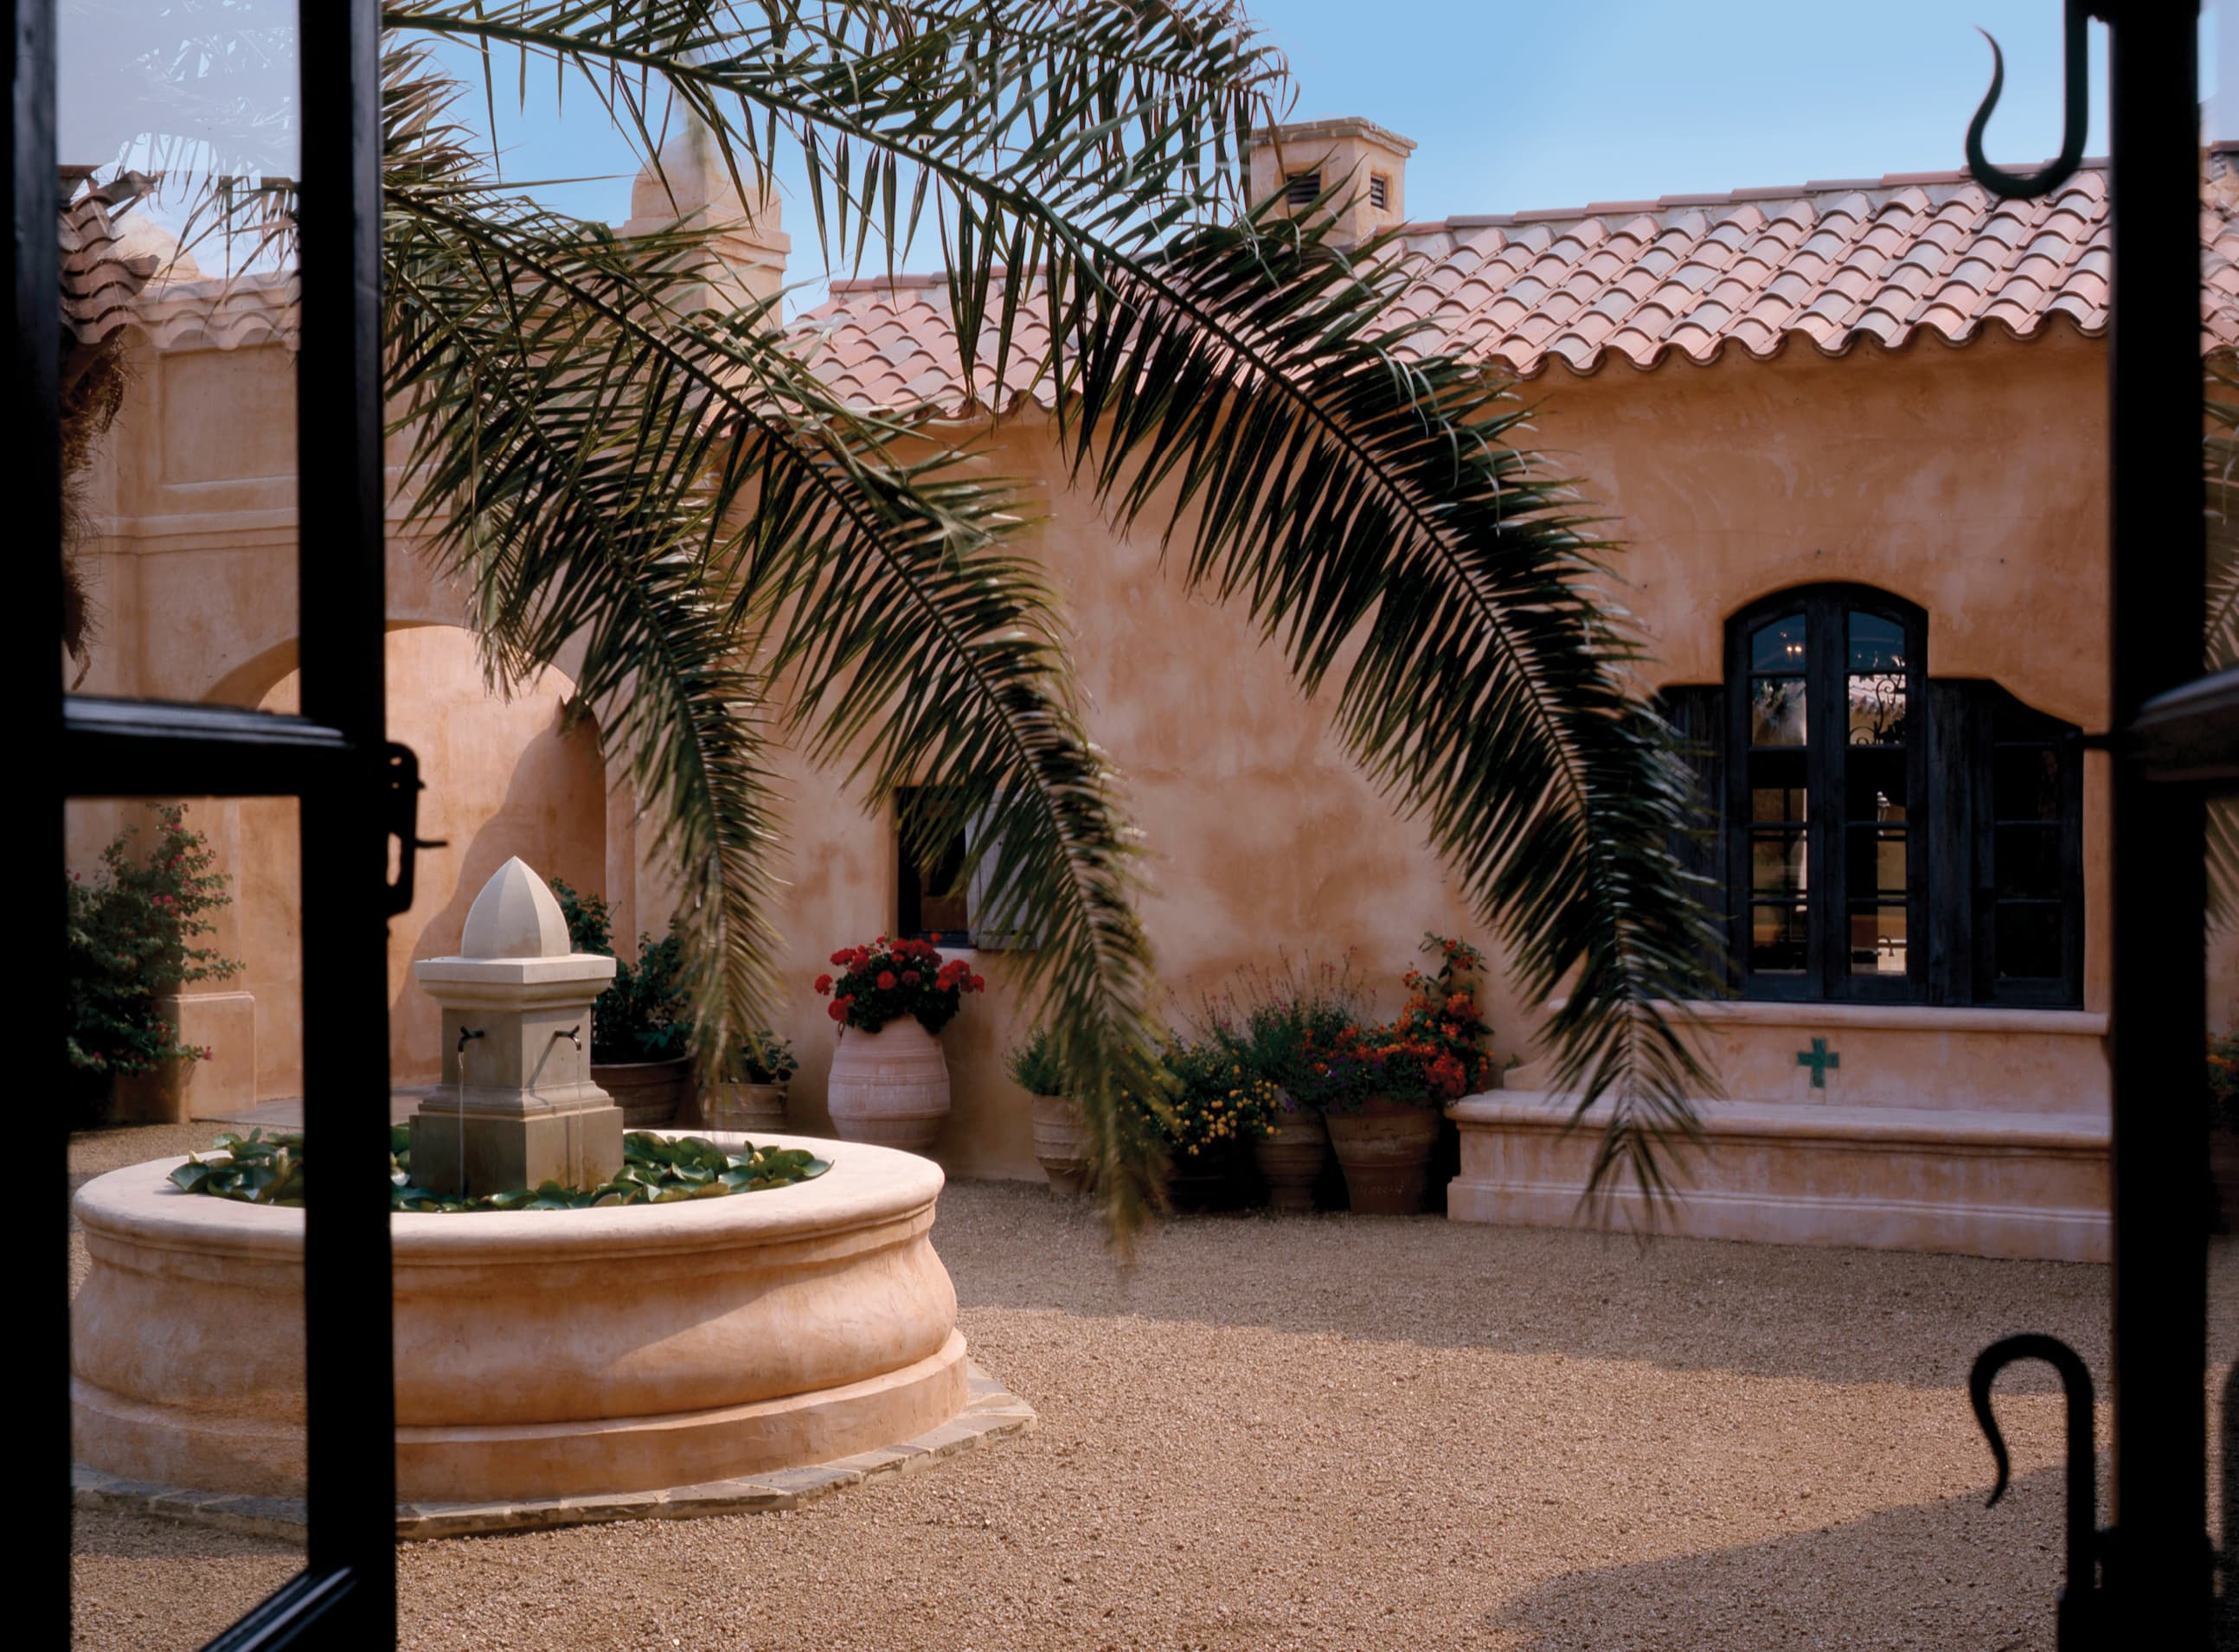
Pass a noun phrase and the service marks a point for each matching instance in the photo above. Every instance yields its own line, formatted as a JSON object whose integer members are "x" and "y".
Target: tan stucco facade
{"x": 1971, "y": 482}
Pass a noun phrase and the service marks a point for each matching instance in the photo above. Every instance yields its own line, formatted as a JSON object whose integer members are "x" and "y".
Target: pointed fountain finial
{"x": 516, "y": 916}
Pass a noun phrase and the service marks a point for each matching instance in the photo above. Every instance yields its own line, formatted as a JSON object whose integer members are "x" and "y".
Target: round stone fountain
{"x": 539, "y": 1355}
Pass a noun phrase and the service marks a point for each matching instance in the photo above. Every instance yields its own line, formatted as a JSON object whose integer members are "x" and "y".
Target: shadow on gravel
{"x": 1934, "y": 1575}
{"x": 1770, "y": 1311}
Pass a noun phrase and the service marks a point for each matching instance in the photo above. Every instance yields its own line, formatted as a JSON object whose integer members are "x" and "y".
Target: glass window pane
{"x": 1777, "y": 706}
{"x": 1876, "y": 645}
{"x": 1875, "y": 708}
{"x": 2025, "y": 783}
{"x": 1877, "y": 940}
{"x": 1876, "y": 863}
{"x": 1778, "y": 646}
{"x": 1777, "y": 787}
{"x": 1778, "y": 934}
{"x": 2029, "y": 940}
{"x": 1778, "y": 864}
{"x": 1877, "y": 778}
{"x": 2029, "y": 860}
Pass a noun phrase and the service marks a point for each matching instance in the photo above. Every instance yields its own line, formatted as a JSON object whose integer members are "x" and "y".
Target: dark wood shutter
{"x": 1958, "y": 754}
{"x": 1697, "y": 713}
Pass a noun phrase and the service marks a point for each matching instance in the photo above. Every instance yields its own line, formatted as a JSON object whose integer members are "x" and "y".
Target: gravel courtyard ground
{"x": 1331, "y": 1432}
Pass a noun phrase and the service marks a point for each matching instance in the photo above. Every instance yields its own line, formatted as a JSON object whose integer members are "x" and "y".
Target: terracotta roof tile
{"x": 1832, "y": 264}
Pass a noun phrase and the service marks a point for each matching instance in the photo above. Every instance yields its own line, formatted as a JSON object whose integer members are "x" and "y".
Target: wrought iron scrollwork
{"x": 2079, "y": 1621}
{"x": 2075, "y": 118}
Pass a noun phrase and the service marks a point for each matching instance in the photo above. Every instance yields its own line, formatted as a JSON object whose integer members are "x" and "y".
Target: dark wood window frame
{"x": 1823, "y": 762}
{"x": 1969, "y": 866}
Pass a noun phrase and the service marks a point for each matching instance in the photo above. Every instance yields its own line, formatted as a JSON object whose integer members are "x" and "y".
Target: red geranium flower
{"x": 886, "y": 980}
{"x": 837, "y": 1009}
{"x": 979, "y": 984}
{"x": 911, "y": 978}
{"x": 824, "y": 983}
{"x": 840, "y": 958}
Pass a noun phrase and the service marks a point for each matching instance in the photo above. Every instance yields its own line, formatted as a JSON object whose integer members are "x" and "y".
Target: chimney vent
{"x": 1360, "y": 165}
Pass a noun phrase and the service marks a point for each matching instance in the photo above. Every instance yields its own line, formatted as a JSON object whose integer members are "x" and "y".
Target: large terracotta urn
{"x": 650, "y": 1093}
{"x": 889, "y": 1087}
{"x": 1291, "y": 1159}
{"x": 1384, "y": 1147}
{"x": 1061, "y": 1143}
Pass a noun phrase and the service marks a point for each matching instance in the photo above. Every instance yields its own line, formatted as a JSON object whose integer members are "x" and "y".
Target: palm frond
{"x": 1365, "y": 499}
{"x": 674, "y": 487}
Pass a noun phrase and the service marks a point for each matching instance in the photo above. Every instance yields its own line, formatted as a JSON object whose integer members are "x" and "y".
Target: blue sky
{"x": 1520, "y": 104}
{"x": 1515, "y": 103}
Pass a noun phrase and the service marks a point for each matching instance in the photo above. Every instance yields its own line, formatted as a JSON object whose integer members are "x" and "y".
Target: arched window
{"x": 1881, "y": 835}
{"x": 1824, "y": 689}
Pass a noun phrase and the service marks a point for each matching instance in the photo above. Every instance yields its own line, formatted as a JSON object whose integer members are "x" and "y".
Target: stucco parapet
{"x": 1866, "y": 1127}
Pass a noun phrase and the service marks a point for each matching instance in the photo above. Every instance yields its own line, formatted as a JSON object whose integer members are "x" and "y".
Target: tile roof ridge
{"x": 1749, "y": 193}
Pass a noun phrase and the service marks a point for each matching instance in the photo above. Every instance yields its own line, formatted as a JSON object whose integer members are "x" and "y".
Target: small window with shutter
{"x": 943, "y": 867}
{"x": 1379, "y": 191}
{"x": 1303, "y": 189}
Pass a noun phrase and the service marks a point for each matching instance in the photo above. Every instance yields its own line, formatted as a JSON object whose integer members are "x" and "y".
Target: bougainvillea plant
{"x": 886, "y": 981}
{"x": 1433, "y": 1052}
{"x": 131, "y": 942}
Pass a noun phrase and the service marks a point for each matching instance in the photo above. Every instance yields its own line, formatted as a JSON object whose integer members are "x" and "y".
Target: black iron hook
{"x": 2076, "y": 120}
{"x": 2076, "y": 1598}
{"x": 466, "y": 1033}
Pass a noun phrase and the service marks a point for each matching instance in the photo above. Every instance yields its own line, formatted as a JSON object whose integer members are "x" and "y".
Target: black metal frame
{"x": 1827, "y": 978}
{"x": 356, "y": 791}
{"x": 2174, "y": 742}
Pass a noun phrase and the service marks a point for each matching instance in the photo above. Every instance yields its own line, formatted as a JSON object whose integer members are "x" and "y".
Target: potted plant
{"x": 889, "y": 1081}
{"x": 641, "y": 1025}
{"x": 1060, "y": 1132}
{"x": 751, "y": 1097}
{"x": 1383, "y": 1086}
{"x": 127, "y": 950}
{"x": 1212, "y": 1110}
{"x": 1274, "y": 1023}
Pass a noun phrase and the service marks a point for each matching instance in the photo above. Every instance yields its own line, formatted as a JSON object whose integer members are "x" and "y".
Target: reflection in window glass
{"x": 1777, "y": 938}
{"x": 1776, "y": 864}
{"x": 2029, "y": 860}
{"x": 1877, "y": 682}
{"x": 1877, "y": 939}
{"x": 1777, "y": 706}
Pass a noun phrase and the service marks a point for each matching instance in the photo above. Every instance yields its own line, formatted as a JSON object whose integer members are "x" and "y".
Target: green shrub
{"x": 765, "y": 1059}
{"x": 1034, "y": 1066}
{"x": 129, "y": 942}
{"x": 646, "y": 1015}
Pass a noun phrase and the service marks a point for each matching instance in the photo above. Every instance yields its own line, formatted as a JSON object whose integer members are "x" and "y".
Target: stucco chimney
{"x": 1360, "y": 165}
{"x": 693, "y": 186}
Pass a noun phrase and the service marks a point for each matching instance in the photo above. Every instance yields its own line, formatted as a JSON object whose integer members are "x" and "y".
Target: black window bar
{"x": 2174, "y": 743}
{"x": 357, "y": 793}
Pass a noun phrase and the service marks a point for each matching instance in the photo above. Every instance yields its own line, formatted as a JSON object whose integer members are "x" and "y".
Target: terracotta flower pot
{"x": 1061, "y": 1143}
{"x": 650, "y": 1093}
{"x": 751, "y": 1109}
{"x": 1290, "y": 1160}
{"x": 1197, "y": 1186}
{"x": 889, "y": 1087}
{"x": 1384, "y": 1148}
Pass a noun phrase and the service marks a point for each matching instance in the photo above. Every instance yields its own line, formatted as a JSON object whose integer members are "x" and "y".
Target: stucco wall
{"x": 1972, "y": 482}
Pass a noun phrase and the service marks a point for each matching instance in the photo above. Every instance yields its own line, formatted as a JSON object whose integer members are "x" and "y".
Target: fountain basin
{"x": 538, "y": 1354}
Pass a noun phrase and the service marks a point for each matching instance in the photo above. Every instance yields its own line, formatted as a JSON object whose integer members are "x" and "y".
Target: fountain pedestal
{"x": 517, "y": 1107}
